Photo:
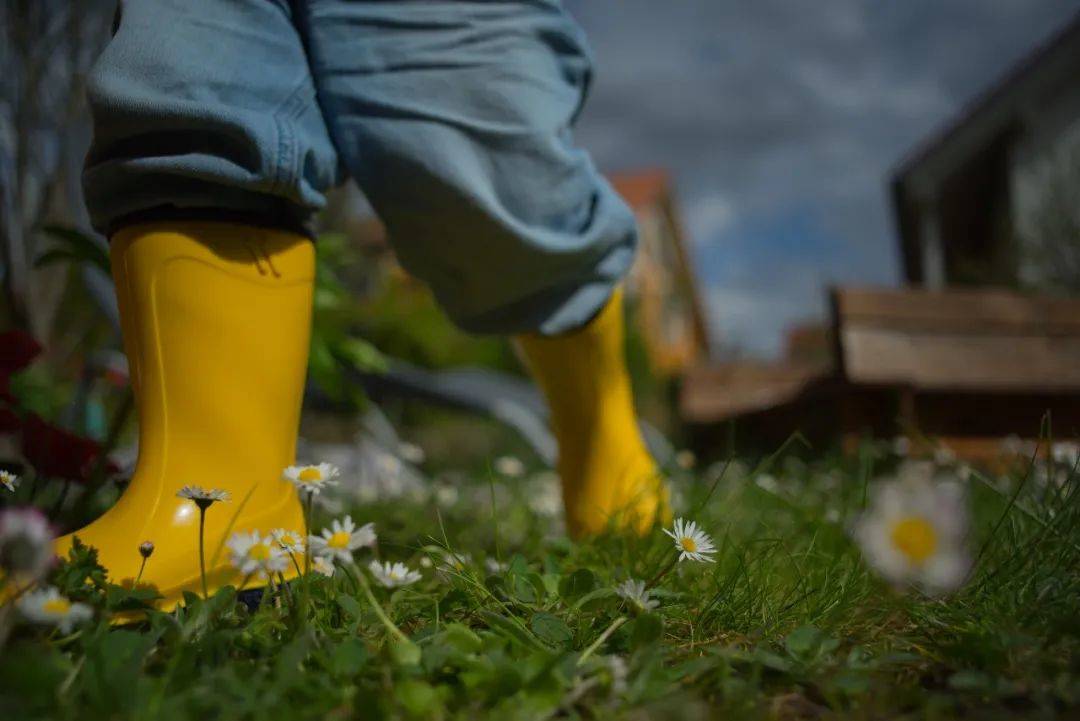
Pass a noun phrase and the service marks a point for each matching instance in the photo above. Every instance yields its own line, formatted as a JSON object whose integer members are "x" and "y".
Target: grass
{"x": 788, "y": 622}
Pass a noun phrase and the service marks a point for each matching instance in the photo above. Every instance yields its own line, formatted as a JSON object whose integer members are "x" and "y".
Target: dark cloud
{"x": 781, "y": 119}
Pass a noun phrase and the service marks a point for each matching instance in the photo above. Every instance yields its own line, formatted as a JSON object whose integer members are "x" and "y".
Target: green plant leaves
{"x": 551, "y": 629}
{"x": 511, "y": 630}
{"x": 808, "y": 644}
{"x": 645, "y": 629}
{"x": 577, "y": 584}
{"x": 348, "y": 657}
{"x": 404, "y": 652}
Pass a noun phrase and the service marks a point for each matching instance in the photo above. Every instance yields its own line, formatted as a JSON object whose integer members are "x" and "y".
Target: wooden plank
{"x": 943, "y": 362}
{"x": 982, "y": 341}
{"x": 717, "y": 393}
{"x": 966, "y": 311}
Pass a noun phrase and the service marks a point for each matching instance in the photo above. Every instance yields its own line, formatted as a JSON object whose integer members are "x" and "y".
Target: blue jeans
{"x": 453, "y": 117}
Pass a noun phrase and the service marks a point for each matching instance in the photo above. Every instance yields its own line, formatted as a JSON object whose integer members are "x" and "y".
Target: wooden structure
{"x": 984, "y": 341}
{"x": 966, "y": 196}
{"x": 968, "y": 368}
{"x": 953, "y": 356}
{"x": 662, "y": 285}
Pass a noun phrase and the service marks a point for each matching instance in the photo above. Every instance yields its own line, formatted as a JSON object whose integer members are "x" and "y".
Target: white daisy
{"x": 619, "y": 674}
{"x": 389, "y": 465}
{"x": 342, "y": 538}
{"x": 446, "y": 496}
{"x": 635, "y": 592}
{"x": 253, "y": 553}
{"x": 146, "y": 549}
{"x": 768, "y": 483}
{"x": 8, "y": 480}
{"x": 202, "y": 497}
{"x": 944, "y": 456}
{"x": 455, "y": 561}
{"x": 47, "y": 606}
{"x": 323, "y": 566}
{"x": 685, "y": 459}
{"x": 544, "y": 494}
{"x": 509, "y": 466}
{"x": 1066, "y": 453}
{"x": 290, "y": 541}
{"x": 412, "y": 453}
{"x": 26, "y": 550}
{"x": 393, "y": 575}
{"x": 492, "y": 565}
{"x": 691, "y": 542}
{"x": 913, "y": 533}
{"x": 1014, "y": 445}
{"x": 312, "y": 479}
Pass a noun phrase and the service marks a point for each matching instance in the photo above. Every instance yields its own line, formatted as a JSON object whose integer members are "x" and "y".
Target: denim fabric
{"x": 453, "y": 117}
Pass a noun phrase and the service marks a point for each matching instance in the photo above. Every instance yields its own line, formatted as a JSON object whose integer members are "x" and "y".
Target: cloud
{"x": 708, "y": 216}
{"x": 781, "y": 121}
{"x": 743, "y": 310}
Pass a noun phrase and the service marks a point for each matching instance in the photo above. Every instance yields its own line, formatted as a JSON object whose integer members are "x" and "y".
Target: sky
{"x": 780, "y": 121}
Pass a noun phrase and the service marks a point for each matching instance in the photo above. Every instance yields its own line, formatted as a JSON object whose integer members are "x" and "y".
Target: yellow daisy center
{"x": 915, "y": 537}
{"x": 339, "y": 540}
{"x": 310, "y": 475}
{"x": 259, "y": 552}
{"x": 57, "y": 606}
{"x": 688, "y": 544}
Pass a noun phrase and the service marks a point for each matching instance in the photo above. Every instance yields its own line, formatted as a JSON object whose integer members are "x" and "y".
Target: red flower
{"x": 9, "y": 420}
{"x": 59, "y": 453}
{"x": 17, "y": 349}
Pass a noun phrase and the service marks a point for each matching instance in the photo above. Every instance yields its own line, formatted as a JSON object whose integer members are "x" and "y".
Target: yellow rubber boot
{"x": 216, "y": 320}
{"x": 609, "y": 480}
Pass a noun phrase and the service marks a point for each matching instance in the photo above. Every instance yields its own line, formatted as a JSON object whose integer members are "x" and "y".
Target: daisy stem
{"x": 663, "y": 572}
{"x": 295, "y": 563}
{"x": 352, "y": 579}
{"x": 202, "y": 551}
{"x": 244, "y": 581}
{"x": 266, "y": 591}
{"x": 601, "y": 638}
{"x": 307, "y": 529}
{"x": 142, "y": 567}
{"x": 390, "y": 626}
{"x": 306, "y": 573}
{"x": 283, "y": 587}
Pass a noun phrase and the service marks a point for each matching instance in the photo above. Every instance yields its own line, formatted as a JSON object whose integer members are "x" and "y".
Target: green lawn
{"x": 789, "y": 622}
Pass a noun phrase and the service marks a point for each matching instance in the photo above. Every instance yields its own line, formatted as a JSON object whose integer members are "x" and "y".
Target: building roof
{"x": 996, "y": 105}
{"x": 641, "y": 188}
{"x": 982, "y": 128}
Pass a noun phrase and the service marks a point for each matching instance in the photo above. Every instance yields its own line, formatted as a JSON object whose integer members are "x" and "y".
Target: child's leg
{"x": 454, "y": 117}
{"x": 205, "y": 108}
{"x": 204, "y": 111}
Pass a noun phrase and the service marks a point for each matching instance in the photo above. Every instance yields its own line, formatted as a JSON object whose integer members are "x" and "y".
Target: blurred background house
{"x": 983, "y": 340}
{"x": 989, "y": 197}
{"x": 662, "y": 285}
